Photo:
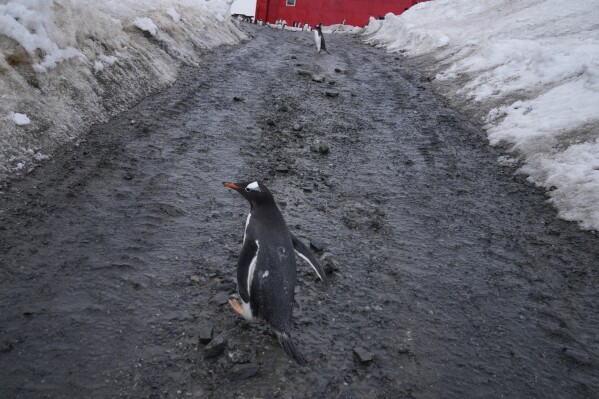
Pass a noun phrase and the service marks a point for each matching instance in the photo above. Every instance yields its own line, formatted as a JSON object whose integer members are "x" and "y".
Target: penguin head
{"x": 255, "y": 192}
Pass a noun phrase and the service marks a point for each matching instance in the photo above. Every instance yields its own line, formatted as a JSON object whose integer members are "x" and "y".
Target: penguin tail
{"x": 290, "y": 348}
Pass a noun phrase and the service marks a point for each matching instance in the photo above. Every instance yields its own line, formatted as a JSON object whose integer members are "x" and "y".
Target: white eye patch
{"x": 253, "y": 187}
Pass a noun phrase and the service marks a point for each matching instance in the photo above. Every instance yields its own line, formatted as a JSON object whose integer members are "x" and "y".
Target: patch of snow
{"x": 146, "y": 24}
{"x": 19, "y": 119}
{"x": 174, "y": 14}
{"x": 60, "y": 58}
{"x": 530, "y": 70}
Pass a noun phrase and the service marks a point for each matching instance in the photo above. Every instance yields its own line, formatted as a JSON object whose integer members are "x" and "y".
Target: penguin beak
{"x": 230, "y": 185}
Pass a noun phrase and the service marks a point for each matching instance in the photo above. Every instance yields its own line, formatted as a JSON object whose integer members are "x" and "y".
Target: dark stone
{"x": 303, "y": 72}
{"x": 236, "y": 98}
{"x": 282, "y": 168}
{"x": 270, "y": 122}
{"x": 284, "y": 108}
{"x": 307, "y": 189}
{"x": 321, "y": 384}
{"x": 317, "y": 245}
{"x": 243, "y": 372}
{"x": 205, "y": 333}
{"x": 339, "y": 70}
{"x": 324, "y": 149}
{"x": 332, "y": 82}
{"x": 220, "y": 299}
{"x": 329, "y": 264}
{"x": 216, "y": 347}
{"x": 363, "y": 355}
{"x": 331, "y": 93}
{"x": 346, "y": 393}
{"x": 293, "y": 57}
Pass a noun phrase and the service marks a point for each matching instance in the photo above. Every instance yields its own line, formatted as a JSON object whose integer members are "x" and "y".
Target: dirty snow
{"x": 68, "y": 64}
{"x": 529, "y": 70}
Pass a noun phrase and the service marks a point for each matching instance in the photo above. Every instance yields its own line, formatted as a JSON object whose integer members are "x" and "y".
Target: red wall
{"x": 355, "y": 12}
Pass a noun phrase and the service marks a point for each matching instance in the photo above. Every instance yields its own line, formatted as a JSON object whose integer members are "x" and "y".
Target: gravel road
{"x": 449, "y": 276}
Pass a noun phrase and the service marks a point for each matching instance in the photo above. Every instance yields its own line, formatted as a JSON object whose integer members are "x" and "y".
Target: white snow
{"x": 245, "y": 7}
{"x": 174, "y": 14}
{"x": 146, "y": 24}
{"x": 19, "y": 119}
{"x": 70, "y": 63}
{"x": 529, "y": 69}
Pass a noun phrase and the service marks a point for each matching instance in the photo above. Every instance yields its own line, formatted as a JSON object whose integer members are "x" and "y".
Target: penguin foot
{"x": 236, "y": 307}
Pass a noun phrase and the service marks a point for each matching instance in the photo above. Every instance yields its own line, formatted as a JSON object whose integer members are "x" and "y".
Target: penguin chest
{"x": 271, "y": 280}
{"x": 317, "y": 40}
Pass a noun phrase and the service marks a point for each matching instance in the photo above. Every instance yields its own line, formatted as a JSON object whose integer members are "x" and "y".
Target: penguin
{"x": 266, "y": 268}
{"x": 319, "y": 39}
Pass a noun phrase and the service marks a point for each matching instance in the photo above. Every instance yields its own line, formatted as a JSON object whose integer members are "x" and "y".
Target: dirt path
{"x": 453, "y": 274}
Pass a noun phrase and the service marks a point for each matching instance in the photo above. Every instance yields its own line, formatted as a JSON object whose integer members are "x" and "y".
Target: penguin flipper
{"x": 290, "y": 348}
{"x": 248, "y": 252}
{"x": 304, "y": 252}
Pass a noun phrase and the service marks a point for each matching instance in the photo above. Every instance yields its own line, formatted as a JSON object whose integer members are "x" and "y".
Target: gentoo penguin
{"x": 319, "y": 38}
{"x": 266, "y": 271}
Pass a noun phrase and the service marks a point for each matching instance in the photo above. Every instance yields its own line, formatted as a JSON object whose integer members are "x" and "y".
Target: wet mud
{"x": 449, "y": 276}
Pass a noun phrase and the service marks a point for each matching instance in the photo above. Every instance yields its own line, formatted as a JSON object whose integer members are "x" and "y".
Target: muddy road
{"x": 452, "y": 274}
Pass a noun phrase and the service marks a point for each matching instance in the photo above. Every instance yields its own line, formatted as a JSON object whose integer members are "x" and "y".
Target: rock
{"x": 307, "y": 189}
{"x": 303, "y": 72}
{"x": 321, "y": 384}
{"x": 243, "y": 372}
{"x": 318, "y": 78}
{"x": 324, "y": 148}
{"x": 346, "y": 393}
{"x": 317, "y": 245}
{"x": 282, "y": 168}
{"x": 220, "y": 299}
{"x": 284, "y": 108}
{"x": 205, "y": 333}
{"x": 329, "y": 264}
{"x": 236, "y": 98}
{"x": 194, "y": 278}
{"x": 332, "y": 82}
{"x": 270, "y": 122}
{"x": 227, "y": 286}
{"x": 293, "y": 57}
{"x": 216, "y": 347}
{"x": 238, "y": 357}
{"x": 297, "y": 127}
{"x": 339, "y": 70}
{"x": 363, "y": 355}
{"x": 331, "y": 93}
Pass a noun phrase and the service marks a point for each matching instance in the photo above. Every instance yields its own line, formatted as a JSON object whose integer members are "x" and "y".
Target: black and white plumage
{"x": 319, "y": 39}
{"x": 266, "y": 268}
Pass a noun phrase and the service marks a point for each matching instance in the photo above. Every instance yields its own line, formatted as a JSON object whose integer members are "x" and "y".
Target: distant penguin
{"x": 266, "y": 269}
{"x": 319, "y": 38}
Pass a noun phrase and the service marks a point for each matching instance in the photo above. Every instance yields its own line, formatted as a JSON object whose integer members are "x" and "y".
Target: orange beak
{"x": 231, "y": 185}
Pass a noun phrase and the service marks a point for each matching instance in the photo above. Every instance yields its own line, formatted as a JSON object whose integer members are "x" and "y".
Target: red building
{"x": 329, "y": 12}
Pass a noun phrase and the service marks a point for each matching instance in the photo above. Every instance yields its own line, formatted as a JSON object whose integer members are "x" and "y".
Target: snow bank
{"x": 69, "y": 63}
{"x": 530, "y": 70}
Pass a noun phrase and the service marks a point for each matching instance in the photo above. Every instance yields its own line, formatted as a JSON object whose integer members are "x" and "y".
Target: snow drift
{"x": 529, "y": 70}
{"x": 65, "y": 64}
